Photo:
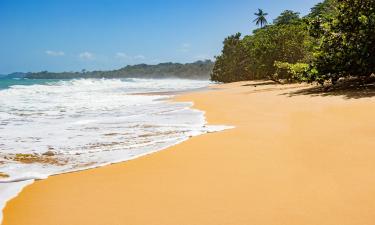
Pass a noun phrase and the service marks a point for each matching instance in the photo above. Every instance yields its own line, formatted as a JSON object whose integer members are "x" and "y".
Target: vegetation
{"x": 3, "y": 175}
{"x": 287, "y": 17}
{"x": 233, "y": 64}
{"x": 290, "y": 71}
{"x": 336, "y": 40}
{"x": 36, "y": 158}
{"x": 261, "y": 18}
{"x": 196, "y": 70}
{"x": 323, "y": 10}
{"x": 346, "y": 42}
{"x": 13, "y": 75}
{"x": 254, "y": 56}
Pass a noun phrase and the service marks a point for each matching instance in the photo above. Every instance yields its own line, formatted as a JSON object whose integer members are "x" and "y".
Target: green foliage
{"x": 261, "y": 19}
{"x": 254, "y": 56}
{"x": 336, "y": 40}
{"x": 286, "y": 43}
{"x": 346, "y": 42}
{"x": 196, "y": 70}
{"x": 230, "y": 66}
{"x": 325, "y": 9}
{"x": 290, "y": 72}
{"x": 287, "y": 17}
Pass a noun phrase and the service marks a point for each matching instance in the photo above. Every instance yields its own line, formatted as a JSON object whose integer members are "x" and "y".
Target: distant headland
{"x": 195, "y": 70}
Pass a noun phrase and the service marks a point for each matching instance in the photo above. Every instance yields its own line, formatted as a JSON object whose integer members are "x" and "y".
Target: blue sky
{"x": 71, "y": 35}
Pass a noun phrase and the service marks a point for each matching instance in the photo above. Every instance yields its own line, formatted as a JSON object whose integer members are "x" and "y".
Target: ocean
{"x": 51, "y": 127}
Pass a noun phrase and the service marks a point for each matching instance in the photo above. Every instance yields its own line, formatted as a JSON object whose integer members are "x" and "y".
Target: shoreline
{"x": 268, "y": 170}
{"x": 13, "y": 188}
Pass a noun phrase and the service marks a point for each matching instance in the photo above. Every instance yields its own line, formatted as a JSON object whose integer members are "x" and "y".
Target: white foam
{"x": 89, "y": 123}
{"x": 9, "y": 191}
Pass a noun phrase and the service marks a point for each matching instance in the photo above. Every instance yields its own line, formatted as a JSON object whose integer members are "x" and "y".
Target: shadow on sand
{"x": 265, "y": 83}
{"x": 352, "y": 89}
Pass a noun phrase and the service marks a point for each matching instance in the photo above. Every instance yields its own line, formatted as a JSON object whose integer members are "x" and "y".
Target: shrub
{"x": 290, "y": 71}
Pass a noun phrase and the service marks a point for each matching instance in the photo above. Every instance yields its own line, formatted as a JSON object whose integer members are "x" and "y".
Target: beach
{"x": 293, "y": 158}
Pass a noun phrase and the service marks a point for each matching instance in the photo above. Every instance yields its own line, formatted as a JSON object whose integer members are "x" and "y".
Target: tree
{"x": 283, "y": 43}
{"x": 287, "y": 17}
{"x": 323, "y": 9}
{"x": 261, "y": 18}
{"x": 230, "y": 66}
{"x": 254, "y": 56}
{"x": 346, "y": 42}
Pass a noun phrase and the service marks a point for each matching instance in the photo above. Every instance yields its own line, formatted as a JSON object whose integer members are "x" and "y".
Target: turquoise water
{"x": 6, "y": 83}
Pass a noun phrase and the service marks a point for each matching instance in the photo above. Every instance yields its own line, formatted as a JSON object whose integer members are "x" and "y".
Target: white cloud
{"x": 139, "y": 57}
{"x": 203, "y": 57}
{"x": 54, "y": 53}
{"x": 86, "y": 56}
{"x": 125, "y": 57}
{"x": 185, "y": 47}
{"x": 122, "y": 55}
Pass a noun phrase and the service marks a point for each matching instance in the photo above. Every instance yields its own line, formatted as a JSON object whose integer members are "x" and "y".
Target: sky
{"x": 71, "y": 35}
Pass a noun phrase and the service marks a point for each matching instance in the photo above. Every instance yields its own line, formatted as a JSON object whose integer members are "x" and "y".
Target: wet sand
{"x": 297, "y": 160}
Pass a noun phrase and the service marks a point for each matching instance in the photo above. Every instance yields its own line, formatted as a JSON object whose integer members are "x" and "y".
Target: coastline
{"x": 290, "y": 160}
{"x": 11, "y": 187}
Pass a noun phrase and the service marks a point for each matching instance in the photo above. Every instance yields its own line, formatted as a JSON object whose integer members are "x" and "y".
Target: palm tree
{"x": 261, "y": 18}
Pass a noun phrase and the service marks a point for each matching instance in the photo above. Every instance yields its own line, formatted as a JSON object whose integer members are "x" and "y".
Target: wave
{"x": 62, "y": 126}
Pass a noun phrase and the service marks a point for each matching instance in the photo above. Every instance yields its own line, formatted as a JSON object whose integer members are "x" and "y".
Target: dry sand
{"x": 290, "y": 161}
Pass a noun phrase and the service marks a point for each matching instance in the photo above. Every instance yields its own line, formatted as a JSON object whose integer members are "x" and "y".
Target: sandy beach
{"x": 293, "y": 158}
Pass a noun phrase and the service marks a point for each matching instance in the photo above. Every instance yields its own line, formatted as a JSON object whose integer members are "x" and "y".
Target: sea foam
{"x": 66, "y": 126}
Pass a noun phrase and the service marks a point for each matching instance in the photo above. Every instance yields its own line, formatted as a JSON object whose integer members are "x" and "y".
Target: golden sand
{"x": 302, "y": 160}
